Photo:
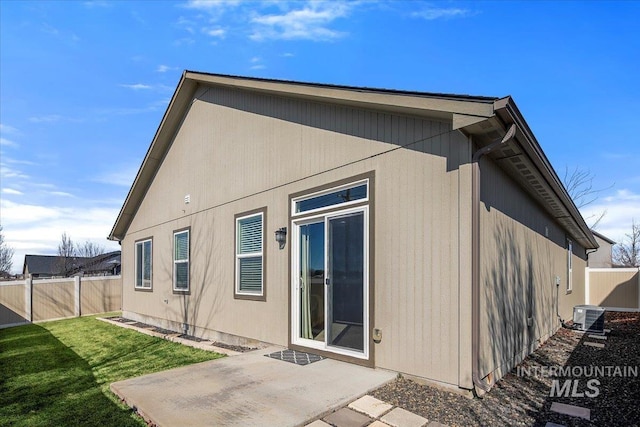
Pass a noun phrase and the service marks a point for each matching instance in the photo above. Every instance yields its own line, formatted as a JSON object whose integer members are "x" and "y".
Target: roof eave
{"x": 508, "y": 112}
{"x": 445, "y": 106}
{"x": 158, "y": 148}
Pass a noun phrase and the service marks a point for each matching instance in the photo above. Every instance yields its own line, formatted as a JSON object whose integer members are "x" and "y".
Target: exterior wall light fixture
{"x": 281, "y": 237}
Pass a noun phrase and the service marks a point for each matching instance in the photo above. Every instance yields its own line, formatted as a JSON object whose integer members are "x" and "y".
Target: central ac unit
{"x": 589, "y": 318}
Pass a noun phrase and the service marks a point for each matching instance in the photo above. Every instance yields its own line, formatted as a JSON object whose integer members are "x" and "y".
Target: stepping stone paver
{"x": 437, "y": 424}
{"x": 598, "y": 337}
{"x": 594, "y": 344}
{"x": 318, "y": 423}
{"x": 371, "y": 406}
{"x": 550, "y": 424}
{"x": 345, "y": 417}
{"x": 574, "y": 411}
{"x": 401, "y": 418}
{"x": 378, "y": 423}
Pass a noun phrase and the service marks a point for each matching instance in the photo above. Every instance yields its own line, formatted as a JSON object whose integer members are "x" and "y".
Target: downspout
{"x": 480, "y": 385}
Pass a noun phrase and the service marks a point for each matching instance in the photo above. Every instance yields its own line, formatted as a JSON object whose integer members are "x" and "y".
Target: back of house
{"x": 365, "y": 225}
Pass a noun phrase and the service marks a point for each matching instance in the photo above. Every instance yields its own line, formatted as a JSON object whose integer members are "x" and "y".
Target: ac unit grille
{"x": 589, "y": 318}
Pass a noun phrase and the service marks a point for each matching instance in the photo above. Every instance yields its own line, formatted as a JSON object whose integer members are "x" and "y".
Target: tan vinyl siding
{"x": 237, "y": 151}
{"x": 100, "y": 294}
{"x": 12, "y": 303}
{"x": 519, "y": 263}
{"x": 614, "y": 288}
{"x": 53, "y": 299}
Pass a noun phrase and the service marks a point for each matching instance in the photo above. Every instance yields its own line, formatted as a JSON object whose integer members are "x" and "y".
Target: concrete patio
{"x": 248, "y": 390}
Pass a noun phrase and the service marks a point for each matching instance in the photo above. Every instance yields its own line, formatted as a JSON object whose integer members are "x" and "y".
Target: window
{"x": 569, "y": 266}
{"x": 336, "y": 196}
{"x": 181, "y": 260}
{"x": 143, "y": 264}
{"x": 250, "y": 255}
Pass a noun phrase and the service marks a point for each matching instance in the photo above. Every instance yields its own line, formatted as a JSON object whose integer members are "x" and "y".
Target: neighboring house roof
{"x": 484, "y": 118}
{"x": 41, "y": 264}
{"x": 51, "y": 264}
{"x": 99, "y": 263}
{"x": 603, "y": 237}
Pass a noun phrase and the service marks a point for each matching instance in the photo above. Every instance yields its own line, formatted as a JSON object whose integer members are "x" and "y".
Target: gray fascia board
{"x": 509, "y": 113}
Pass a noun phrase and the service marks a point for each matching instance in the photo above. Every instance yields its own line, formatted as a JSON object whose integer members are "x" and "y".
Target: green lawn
{"x": 58, "y": 373}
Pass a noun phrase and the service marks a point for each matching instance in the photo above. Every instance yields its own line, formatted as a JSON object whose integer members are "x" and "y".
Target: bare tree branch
{"x": 627, "y": 253}
{"x": 6, "y": 256}
{"x": 90, "y": 249}
{"x": 66, "y": 254}
{"x": 579, "y": 184}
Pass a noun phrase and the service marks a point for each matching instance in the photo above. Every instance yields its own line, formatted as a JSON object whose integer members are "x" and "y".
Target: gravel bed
{"x": 238, "y": 348}
{"x": 191, "y": 338}
{"x": 521, "y": 400}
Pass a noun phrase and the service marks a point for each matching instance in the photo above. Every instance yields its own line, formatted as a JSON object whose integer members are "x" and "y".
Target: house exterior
{"x": 422, "y": 233}
{"x": 603, "y": 257}
{"x": 48, "y": 266}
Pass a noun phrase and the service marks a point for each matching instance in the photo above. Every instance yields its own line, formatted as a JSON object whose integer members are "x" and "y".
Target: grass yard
{"x": 58, "y": 373}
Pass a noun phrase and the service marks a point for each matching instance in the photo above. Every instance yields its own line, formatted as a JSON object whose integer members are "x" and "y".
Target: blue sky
{"x": 83, "y": 86}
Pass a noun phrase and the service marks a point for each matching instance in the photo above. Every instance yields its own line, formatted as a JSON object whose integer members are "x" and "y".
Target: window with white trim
{"x": 250, "y": 255}
{"x": 181, "y": 260}
{"x": 143, "y": 264}
{"x": 569, "y": 266}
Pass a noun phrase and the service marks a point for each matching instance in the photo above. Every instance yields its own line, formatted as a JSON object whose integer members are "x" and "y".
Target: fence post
{"x": 76, "y": 296}
{"x": 28, "y": 299}
{"x": 587, "y": 295}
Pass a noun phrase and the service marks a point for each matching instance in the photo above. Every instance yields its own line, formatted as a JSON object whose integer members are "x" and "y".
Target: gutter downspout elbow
{"x": 480, "y": 385}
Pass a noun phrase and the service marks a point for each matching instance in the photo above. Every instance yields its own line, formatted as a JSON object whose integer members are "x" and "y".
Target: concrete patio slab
{"x": 248, "y": 390}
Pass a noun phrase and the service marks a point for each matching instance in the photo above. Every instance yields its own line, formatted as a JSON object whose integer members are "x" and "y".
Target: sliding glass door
{"x": 330, "y": 282}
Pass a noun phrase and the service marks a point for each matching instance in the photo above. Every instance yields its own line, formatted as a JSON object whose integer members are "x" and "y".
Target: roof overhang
{"x": 438, "y": 106}
{"x": 525, "y": 162}
{"x": 484, "y": 117}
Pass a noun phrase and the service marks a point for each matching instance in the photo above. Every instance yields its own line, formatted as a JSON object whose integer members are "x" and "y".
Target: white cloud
{"x": 50, "y": 118}
{"x": 9, "y": 130}
{"x": 6, "y": 172}
{"x": 8, "y": 143}
{"x": 18, "y": 162}
{"x": 209, "y": 5}
{"x": 215, "y": 32}
{"x": 258, "y": 67}
{"x": 12, "y": 191}
{"x": 309, "y": 23}
{"x": 137, "y": 86}
{"x": 288, "y": 55}
{"x": 621, "y": 207}
{"x": 432, "y": 13}
{"x": 122, "y": 177}
{"x": 164, "y": 68}
{"x": 184, "y": 41}
{"x": 96, "y": 3}
{"x": 37, "y": 229}
{"x": 61, "y": 194}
